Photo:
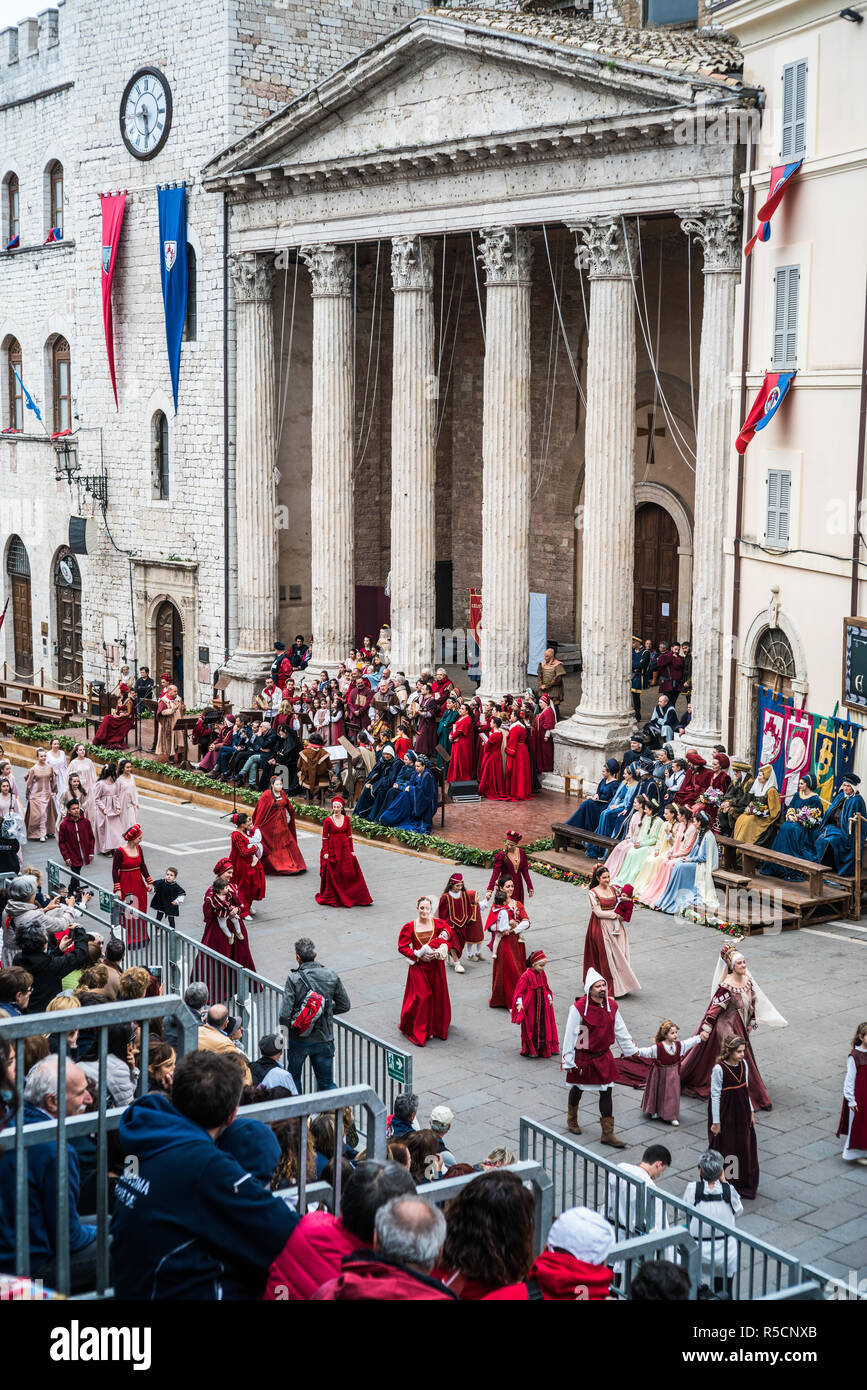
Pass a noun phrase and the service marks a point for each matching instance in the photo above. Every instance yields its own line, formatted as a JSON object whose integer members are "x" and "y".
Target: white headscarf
{"x": 584, "y": 1233}
{"x": 765, "y": 1011}
{"x": 759, "y": 788}
{"x": 592, "y": 978}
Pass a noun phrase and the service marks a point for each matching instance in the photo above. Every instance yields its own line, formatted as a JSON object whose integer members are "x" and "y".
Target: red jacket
{"x": 311, "y": 1256}
{"x": 366, "y": 1275}
{"x": 561, "y": 1278}
{"x": 75, "y": 841}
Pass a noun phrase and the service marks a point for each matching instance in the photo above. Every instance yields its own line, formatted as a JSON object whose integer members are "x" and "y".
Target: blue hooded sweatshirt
{"x": 189, "y": 1222}
{"x": 42, "y": 1175}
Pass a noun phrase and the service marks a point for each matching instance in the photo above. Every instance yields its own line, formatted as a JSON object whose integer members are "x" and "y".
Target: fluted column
{"x": 255, "y": 457}
{"x": 413, "y": 464}
{"x": 506, "y": 255}
{"x": 719, "y": 234}
{"x": 607, "y": 250}
{"x": 331, "y": 502}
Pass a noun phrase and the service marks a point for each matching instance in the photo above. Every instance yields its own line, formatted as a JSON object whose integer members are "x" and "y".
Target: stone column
{"x": 601, "y": 723}
{"x": 255, "y": 461}
{"x": 413, "y": 457}
{"x": 331, "y": 501}
{"x": 506, "y": 254}
{"x": 719, "y": 234}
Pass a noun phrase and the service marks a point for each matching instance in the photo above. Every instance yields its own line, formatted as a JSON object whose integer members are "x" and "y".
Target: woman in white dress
{"x": 127, "y": 793}
{"x": 6, "y": 770}
{"x": 75, "y": 791}
{"x": 106, "y": 819}
{"x": 85, "y": 768}
{"x": 56, "y": 760}
{"x": 12, "y": 810}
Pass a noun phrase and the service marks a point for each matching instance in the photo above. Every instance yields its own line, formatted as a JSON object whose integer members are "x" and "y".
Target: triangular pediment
{"x": 435, "y": 83}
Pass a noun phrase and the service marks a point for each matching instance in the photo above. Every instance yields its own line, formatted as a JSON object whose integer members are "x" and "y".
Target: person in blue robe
{"x": 378, "y": 780}
{"x": 794, "y": 838}
{"x": 835, "y": 842}
{"x": 397, "y": 804}
{"x": 591, "y": 808}
{"x": 615, "y": 817}
{"x": 424, "y": 798}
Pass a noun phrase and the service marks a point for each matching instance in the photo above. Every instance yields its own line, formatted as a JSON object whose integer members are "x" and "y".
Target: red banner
{"x": 113, "y": 205}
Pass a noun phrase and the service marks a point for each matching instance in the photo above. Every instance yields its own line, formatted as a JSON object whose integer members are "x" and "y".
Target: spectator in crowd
{"x": 660, "y": 1281}
{"x": 403, "y": 1120}
{"x": 317, "y": 1245}
{"x": 662, "y": 723}
{"x": 196, "y": 1000}
{"x": 572, "y": 1265}
{"x": 408, "y": 1237}
{"x": 441, "y": 1119}
{"x": 489, "y": 1238}
{"x": 711, "y": 1196}
{"x": 621, "y": 1206}
{"x": 498, "y": 1158}
{"x": 214, "y": 1037}
{"x": 425, "y": 1162}
{"x": 121, "y": 1073}
{"x": 189, "y": 1222}
{"x": 40, "y": 1105}
{"x": 42, "y": 955}
{"x": 253, "y": 1145}
{"x": 318, "y": 1043}
{"x": 268, "y": 1069}
{"x": 16, "y": 987}
{"x": 161, "y": 1066}
{"x": 113, "y": 956}
{"x": 399, "y": 1153}
{"x": 290, "y": 1135}
{"x": 322, "y": 1130}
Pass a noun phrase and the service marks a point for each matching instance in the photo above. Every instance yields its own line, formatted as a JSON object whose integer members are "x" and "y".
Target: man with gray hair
{"x": 47, "y": 958}
{"x": 309, "y": 979}
{"x": 408, "y": 1237}
{"x": 41, "y": 1105}
{"x": 717, "y": 1201}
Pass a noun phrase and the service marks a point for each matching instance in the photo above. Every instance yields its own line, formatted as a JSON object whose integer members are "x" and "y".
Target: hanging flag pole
{"x": 780, "y": 178}
{"x": 771, "y": 395}
{"x": 172, "y": 209}
{"x": 113, "y": 205}
{"x": 29, "y": 402}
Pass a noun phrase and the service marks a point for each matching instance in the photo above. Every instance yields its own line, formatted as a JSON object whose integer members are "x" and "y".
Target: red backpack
{"x": 311, "y": 1008}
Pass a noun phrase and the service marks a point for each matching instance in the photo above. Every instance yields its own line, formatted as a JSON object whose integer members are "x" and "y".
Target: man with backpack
{"x": 312, "y": 996}
{"x": 717, "y": 1201}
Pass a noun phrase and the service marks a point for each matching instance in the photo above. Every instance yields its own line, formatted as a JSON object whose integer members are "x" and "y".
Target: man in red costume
{"x": 281, "y": 666}
{"x": 698, "y": 779}
{"x": 593, "y": 1025}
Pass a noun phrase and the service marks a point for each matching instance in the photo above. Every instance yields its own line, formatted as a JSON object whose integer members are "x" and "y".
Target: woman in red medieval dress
{"x": 507, "y": 921}
{"x": 226, "y": 934}
{"x": 131, "y": 882}
{"x": 533, "y": 1008}
{"x": 512, "y": 860}
{"x": 113, "y": 731}
{"x": 426, "y": 1010}
{"x": 518, "y": 776}
{"x": 245, "y": 855}
{"x": 275, "y": 818}
{"x": 541, "y": 740}
{"x": 491, "y": 785}
{"x": 341, "y": 880}
{"x": 463, "y": 740}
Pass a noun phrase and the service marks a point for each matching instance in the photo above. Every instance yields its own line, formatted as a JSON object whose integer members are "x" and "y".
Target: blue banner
{"x": 173, "y": 272}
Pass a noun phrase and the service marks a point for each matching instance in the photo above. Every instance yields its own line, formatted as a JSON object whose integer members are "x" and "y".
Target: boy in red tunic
{"x": 76, "y": 842}
{"x": 593, "y": 1025}
{"x": 459, "y": 909}
{"x": 533, "y": 1008}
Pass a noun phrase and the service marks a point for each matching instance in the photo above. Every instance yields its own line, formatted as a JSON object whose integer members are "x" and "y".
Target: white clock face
{"x": 146, "y": 113}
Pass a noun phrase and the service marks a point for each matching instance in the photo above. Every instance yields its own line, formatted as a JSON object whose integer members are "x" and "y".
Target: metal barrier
{"x": 360, "y": 1058}
{"x": 665, "y": 1245}
{"x": 444, "y": 1189}
{"x": 744, "y": 1265}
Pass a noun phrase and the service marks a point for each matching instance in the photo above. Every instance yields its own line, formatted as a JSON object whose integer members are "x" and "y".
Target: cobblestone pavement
{"x": 809, "y": 1203}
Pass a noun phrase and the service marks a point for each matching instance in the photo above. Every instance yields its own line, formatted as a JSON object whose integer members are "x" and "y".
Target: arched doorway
{"x": 67, "y": 598}
{"x": 775, "y": 662}
{"x": 18, "y": 569}
{"x": 169, "y": 644}
{"x": 655, "y": 574}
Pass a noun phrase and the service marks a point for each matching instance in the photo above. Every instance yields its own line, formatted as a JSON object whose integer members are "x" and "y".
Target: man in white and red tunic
{"x": 593, "y": 1025}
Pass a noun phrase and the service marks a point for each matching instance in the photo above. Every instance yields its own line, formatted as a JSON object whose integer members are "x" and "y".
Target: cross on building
{"x": 650, "y": 432}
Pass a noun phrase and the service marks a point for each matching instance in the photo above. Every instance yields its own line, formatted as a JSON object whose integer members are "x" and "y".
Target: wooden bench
{"x": 565, "y": 836}
{"x": 11, "y": 721}
{"x": 814, "y": 874}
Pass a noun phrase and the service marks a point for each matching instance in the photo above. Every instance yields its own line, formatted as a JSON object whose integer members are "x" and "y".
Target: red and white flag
{"x": 113, "y": 205}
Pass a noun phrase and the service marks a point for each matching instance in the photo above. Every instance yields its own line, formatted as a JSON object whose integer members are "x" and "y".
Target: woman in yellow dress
{"x": 758, "y": 823}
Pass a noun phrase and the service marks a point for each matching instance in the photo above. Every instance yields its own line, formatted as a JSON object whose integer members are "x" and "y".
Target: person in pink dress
{"x": 491, "y": 785}
{"x": 661, "y": 1099}
{"x": 606, "y": 944}
{"x": 629, "y": 841}
{"x": 685, "y": 835}
{"x": 127, "y": 793}
{"x": 512, "y": 860}
{"x": 426, "y": 1009}
{"x": 225, "y": 933}
{"x": 341, "y": 880}
{"x": 105, "y": 811}
{"x": 245, "y": 853}
{"x": 41, "y": 785}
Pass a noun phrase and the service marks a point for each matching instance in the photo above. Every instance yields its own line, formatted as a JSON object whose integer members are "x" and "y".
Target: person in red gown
{"x": 113, "y": 731}
{"x": 341, "y": 882}
{"x": 518, "y": 777}
{"x": 512, "y": 860}
{"x": 507, "y": 920}
{"x": 720, "y": 781}
{"x": 426, "y": 1010}
{"x": 459, "y": 909}
{"x": 131, "y": 881}
{"x": 491, "y": 783}
{"x": 541, "y": 740}
{"x": 731, "y": 1126}
{"x": 533, "y": 1008}
{"x": 275, "y": 818}
{"x": 245, "y": 854}
{"x": 698, "y": 779}
{"x": 225, "y": 933}
{"x": 462, "y": 738}
{"x": 738, "y": 1005}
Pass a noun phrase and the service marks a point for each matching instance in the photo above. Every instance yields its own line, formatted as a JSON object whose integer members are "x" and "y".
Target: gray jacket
{"x": 327, "y": 983}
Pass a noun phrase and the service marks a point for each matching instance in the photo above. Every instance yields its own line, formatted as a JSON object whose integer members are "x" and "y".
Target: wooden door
{"x": 165, "y": 642}
{"x": 655, "y": 575}
{"x": 68, "y": 634}
{"x": 22, "y": 622}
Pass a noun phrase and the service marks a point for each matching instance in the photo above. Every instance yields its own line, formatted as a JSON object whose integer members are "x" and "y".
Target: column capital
{"x": 719, "y": 231}
{"x": 252, "y": 276}
{"x": 610, "y": 247}
{"x": 411, "y": 263}
{"x": 330, "y": 269}
{"x": 506, "y": 255}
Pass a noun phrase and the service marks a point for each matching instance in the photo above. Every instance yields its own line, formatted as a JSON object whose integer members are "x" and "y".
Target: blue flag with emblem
{"x": 173, "y": 272}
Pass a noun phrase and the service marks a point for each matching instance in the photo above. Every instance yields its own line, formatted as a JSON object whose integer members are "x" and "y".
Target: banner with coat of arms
{"x": 172, "y": 203}
{"x": 795, "y": 742}
{"x": 113, "y": 205}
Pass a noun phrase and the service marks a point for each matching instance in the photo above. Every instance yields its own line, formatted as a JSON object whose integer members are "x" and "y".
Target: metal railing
{"x": 730, "y": 1259}
{"x": 360, "y": 1058}
{"x": 442, "y": 1191}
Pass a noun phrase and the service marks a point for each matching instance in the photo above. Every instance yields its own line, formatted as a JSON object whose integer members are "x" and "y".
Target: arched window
{"x": 775, "y": 661}
{"x": 55, "y": 197}
{"x": 62, "y": 389}
{"x": 13, "y": 205}
{"x": 160, "y": 430}
{"x": 16, "y": 395}
{"x": 190, "y": 323}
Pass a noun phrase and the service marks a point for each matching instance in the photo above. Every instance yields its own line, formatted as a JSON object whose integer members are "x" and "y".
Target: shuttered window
{"x": 785, "y": 349}
{"x": 794, "y": 109}
{"x": 779, "y": 487}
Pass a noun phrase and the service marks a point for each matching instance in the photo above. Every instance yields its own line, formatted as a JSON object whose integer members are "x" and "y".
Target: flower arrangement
{"x": 759, "y": 808}
{"x": 808, "y": 816}
{"x": 712, "y": 796}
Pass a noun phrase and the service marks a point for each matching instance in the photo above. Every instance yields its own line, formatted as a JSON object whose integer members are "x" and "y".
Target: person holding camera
{"x": 50, "y": 943}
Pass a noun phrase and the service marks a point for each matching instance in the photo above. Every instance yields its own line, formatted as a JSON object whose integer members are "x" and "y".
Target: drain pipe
{"x": 859, "y": 475}
{"x": 225, "y": 429}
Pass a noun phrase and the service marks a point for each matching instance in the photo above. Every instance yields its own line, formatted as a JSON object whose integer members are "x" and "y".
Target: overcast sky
{"x": 11, "y": 11}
